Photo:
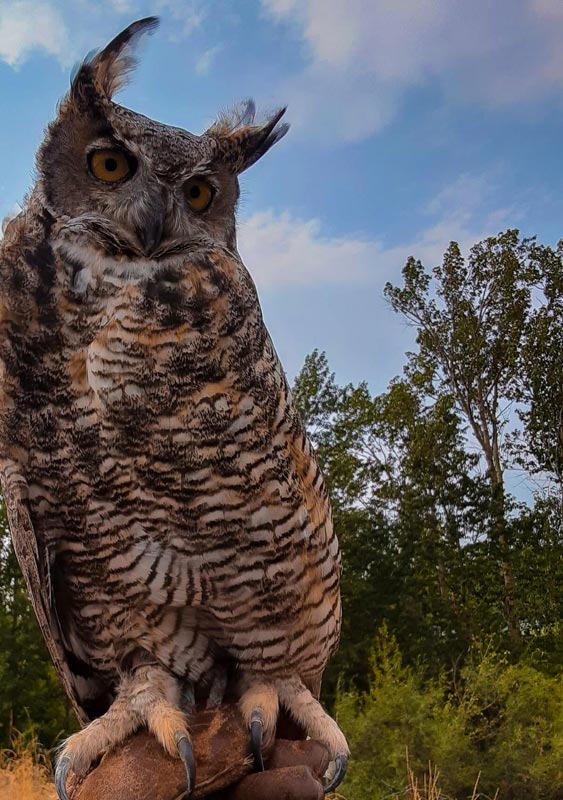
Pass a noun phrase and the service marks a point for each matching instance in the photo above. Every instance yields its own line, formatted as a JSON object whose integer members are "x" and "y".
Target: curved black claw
{"x": 256, "y": 727}
{"x": 61, "y": 773}
{"x": 341, "y": 766}
{"x": 189, "y": 697}
{"x": 218, "y": 687}
{"x": 186, "y": 752}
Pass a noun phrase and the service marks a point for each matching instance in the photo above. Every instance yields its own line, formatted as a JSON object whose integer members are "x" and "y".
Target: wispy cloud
{"x": 205, "y": 61}
{"x": 281, "y": 250}
{"x": 28, "y": 25}
{"x": 362, "y": 55}
{"x": 187, "y": 15}
{"x": 68, "y": 29}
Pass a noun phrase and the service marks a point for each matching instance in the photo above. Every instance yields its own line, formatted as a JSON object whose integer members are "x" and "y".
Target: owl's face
{"x": 156, "y": 189}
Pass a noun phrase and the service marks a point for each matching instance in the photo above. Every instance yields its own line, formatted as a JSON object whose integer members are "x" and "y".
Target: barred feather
{"x": 147, "y": 427}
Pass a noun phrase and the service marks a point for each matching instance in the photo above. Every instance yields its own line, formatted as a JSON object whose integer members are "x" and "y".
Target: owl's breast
{"x": 127, "y": 352}
{"x": 144, "y": 328}
{"x": 171, "y": 357}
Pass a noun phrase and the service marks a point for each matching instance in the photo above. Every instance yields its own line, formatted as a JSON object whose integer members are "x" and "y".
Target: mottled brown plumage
{"x": 166, "y": 507}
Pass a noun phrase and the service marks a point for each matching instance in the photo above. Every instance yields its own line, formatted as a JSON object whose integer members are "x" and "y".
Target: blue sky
{"x": 414, "y": 122}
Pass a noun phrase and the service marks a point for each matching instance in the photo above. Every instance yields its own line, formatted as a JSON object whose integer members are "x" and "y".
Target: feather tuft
{"x": 110, "y": 68}
{"x": 241, "y": 141}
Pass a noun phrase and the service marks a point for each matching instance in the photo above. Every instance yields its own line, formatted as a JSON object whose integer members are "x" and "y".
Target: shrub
{"x": 501, "y": 723}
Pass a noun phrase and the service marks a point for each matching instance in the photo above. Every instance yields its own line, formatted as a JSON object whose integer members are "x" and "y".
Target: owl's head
{"x": 151, "y": 188}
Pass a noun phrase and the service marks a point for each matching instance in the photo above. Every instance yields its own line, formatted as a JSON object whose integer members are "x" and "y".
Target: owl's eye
{"x": 110, "y": 165}
{"x": 199, "y": 194}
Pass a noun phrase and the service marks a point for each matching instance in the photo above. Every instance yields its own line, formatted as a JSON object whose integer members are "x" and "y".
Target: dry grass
{"x": 25, "y": 772}
{"x": 429, "y": 789}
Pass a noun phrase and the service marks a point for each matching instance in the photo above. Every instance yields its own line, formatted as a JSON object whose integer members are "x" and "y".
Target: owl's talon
{"x": 186, "y": 753}
{"x": 256, "y": 728}
{"x": 341, "y": 766}
{"x": 189, "y": 697}
{"x": 61, "y": 773}
{"x": 218, "y": 687}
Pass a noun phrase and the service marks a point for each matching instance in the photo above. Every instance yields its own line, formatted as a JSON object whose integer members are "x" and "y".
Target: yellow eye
{"x": 110, "y": 165}
{"x": 199, "y": 194}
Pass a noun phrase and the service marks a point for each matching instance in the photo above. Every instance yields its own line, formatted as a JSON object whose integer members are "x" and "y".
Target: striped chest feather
{"x": 168, "y": 472}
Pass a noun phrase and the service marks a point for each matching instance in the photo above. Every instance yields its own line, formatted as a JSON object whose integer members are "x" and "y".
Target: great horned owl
{"x": 165, "y": 504}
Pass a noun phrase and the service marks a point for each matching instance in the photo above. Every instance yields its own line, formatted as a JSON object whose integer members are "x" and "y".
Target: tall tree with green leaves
{"x": 409, "y": 513}
{"x": 541, "y": 384}
{"x": 471, "y": 317}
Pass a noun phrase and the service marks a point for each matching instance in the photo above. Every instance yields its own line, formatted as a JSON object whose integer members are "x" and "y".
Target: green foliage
{"x": 434, "y": 545}
{"x": 500, "y": 720}
{"x": 471, "y": 318}
{"x": 31, "y": 698}
{"x": 541, "y": 362}
{"x": 411, "y": 512}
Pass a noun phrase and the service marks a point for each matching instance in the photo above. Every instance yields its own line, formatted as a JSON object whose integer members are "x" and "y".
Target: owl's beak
{"x": 151, "y": 225}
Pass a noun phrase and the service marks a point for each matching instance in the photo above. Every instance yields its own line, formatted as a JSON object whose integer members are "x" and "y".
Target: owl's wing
{"x": 26, "y": 234}
{"x": 34, "y": 564}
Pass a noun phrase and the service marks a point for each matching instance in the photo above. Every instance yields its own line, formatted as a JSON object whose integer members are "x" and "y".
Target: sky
{"x": 413, "y": 123}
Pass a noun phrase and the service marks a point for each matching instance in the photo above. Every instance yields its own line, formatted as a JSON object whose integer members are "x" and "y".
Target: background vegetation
{"x": 448, "y": 500}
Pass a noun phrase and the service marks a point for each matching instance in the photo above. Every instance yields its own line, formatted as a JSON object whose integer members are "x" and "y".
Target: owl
{"x": 165, "y": 504}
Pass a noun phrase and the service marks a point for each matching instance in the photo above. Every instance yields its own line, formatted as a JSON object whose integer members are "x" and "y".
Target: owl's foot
{"x": 256, "y": 728}
{"x": 215, "y": 688}
{"x": 311, "y": 716}
{"x": 218, "y": 686}
{"x": 150, "y": 696}
{"x": 61, "y": 773}
{"x": 340, "y": 767}
{"x": 186, "y": 753}
{"x": 260, "y": 706}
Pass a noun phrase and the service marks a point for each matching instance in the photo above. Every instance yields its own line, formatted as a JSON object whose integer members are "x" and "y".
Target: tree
{"x": 541, "y": 385}
{"x": 471, "y": 319}
{"x": 408, "y": 511}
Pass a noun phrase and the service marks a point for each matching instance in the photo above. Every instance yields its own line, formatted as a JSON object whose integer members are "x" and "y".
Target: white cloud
{"x": 466, "y": 192}
{"x": 281, "y": 250}
{"x": 362, "y": 55}
{"x": 187, "y": 15}
{"x": 27, "y": 25}
{"x": 205, "y": 62}
{"x": 68, "y": 29}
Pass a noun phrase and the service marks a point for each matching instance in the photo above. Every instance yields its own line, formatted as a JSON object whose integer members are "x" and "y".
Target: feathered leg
{"x": 259, "y": 703}
{"x": 311, "y": 716}
{"x": 149, "y": 696}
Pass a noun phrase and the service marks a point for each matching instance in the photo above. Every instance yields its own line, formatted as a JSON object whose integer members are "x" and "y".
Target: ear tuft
{"x": 105, "y": 72}
{"x": 240, "y": 141}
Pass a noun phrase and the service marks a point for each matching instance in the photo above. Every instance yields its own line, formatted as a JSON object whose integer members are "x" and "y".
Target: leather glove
{"x": 141, "y": 770}
{"x": 293, "y": 772}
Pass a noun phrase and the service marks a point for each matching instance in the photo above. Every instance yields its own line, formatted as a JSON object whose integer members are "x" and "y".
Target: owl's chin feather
{"x": 95, "y": 231}
{"x": 100, "y": 232}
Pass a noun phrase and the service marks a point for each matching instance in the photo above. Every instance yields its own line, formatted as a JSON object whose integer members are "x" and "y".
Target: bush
{"x": 501, "y": 721}
{"x": 515, "y": 716}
